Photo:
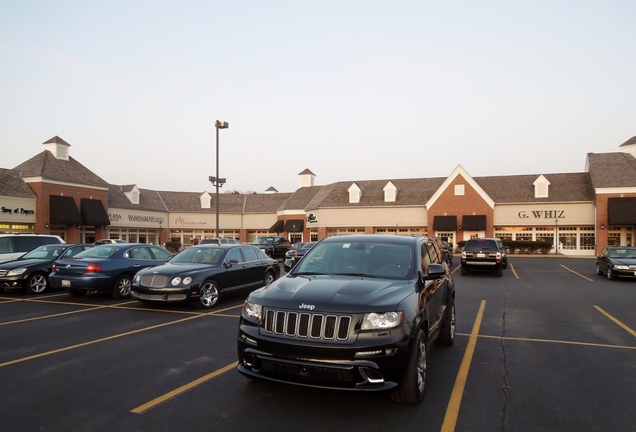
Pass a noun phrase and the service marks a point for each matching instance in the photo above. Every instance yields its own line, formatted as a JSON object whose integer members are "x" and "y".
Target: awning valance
{"x": 294, "y": 225}
{"x": 621, "y": 211}
{"x": 474, "y": 222}
{"x": 445, "y": 223}
{"x": 63, "y": 211}
{"x": 93, "y": 213}
{"x": 277, "y": 227}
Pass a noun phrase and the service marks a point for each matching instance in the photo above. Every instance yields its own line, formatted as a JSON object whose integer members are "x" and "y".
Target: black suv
{"x": 358, "y": 312}
{"x": 482, "y": 254}
{"x": 273, "y": 246}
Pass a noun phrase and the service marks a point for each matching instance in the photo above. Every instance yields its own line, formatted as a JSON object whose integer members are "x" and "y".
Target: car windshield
{"x": 373, "y": 258}
{"x": 622, "y": 253}
{"x": 207, "y": 255}
{"x": 264, "y": 241}
{"x": 44, "y": 252}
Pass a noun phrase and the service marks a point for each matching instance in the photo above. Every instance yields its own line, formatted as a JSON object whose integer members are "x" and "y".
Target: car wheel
{"x": 447, "y": 335}
{"x": 598, "y": 269}
{"x": 269, "y": 278}
{"x": 504, "y": 264}
{"x": 464, "y": 271}
{"x": 610, "y": 274}
{"x": 411, "y": 391}
{"x": 498, "y": 271}
{"x": 36, "y": 283}
{"x": 122, "y": 287}
{"x": 208, "y": 295}
{"x": 75, "y": 292}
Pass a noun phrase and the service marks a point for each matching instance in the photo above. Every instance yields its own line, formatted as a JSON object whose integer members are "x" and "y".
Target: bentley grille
{"x": 154, "y": 281}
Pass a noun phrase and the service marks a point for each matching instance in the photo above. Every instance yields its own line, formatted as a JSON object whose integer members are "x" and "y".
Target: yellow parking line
{"x": 563, "y": 342}
{"x": 452, "y": 411}
{"x": 578, "y": 274}
{"x": 88, "y": 308}
{"x": 629, "y": 330}
{"x": 96, "y": 341}
{"x": 174, "y": 393}
{"x": 514, "y": 272}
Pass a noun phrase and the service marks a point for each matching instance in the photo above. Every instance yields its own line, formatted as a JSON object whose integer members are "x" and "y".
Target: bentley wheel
{"x": 209, "y": 295}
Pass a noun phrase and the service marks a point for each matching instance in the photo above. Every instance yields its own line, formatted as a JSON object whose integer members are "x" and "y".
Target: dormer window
{"x": 354, "y": 194}
{"x": 205, "y": 199}
{"x": 133, "y": 195}
{"x": 541, "y": 187}
{"x": 390, "y": 192}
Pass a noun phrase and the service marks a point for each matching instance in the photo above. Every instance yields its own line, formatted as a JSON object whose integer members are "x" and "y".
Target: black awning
{"x": 621, "y": 211}
{"x": 474, "y": 222}
{"x": 445, "y": 223}
{"x": 294, "y": 225}
{"x": 63, "y": 211}
{"x": 277, "y": 227}
{"x": 93, "y": 213}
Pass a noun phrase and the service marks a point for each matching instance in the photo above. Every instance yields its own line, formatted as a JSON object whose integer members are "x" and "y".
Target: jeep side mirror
{"x": 435, "y": 271}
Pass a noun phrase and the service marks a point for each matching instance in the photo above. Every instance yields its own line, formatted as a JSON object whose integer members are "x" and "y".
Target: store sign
{"x": 311, "y": 218}
{"x": 179, "y": 220}
{"x": 542, "y": 214}
{"x": 18, "y": 210}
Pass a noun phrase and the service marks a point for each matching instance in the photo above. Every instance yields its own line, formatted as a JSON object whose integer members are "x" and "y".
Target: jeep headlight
{"x": 253, "y": 310}
{"x": 16, "y": 272}
{"x": 380, "y": 321}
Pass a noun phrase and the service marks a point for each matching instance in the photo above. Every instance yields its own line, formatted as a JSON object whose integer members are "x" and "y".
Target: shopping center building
{"x": 54, "y": 193}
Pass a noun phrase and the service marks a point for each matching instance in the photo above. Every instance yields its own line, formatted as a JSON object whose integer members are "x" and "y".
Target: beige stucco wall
{"x": 371, "y": 216}
{"x": 544, "y": 214}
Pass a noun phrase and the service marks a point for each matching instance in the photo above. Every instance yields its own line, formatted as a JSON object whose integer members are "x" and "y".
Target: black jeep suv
{"x": 482, "y": 254}
{"x": 358, "y": 312}
{"x": 273, "y": 246}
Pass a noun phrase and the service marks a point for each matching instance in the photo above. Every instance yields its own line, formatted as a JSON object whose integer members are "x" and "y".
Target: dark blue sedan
{"x": 106, "y": 268}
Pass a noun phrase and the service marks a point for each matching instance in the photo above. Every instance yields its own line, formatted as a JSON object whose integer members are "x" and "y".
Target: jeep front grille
{"x": 308, "y": 325}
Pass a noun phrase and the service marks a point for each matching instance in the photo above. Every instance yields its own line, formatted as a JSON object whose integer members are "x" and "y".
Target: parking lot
{"x": 548, "y": 346}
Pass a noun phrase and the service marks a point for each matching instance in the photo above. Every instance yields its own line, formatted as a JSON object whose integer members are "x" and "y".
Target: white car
{"x": 109, "y": 241}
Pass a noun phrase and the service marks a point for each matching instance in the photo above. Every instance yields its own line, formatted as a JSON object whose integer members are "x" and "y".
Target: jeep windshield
{"x": 376, "y": 259}
{"x": 490, "y": 245}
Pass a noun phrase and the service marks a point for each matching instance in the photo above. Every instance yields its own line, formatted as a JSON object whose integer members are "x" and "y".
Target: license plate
{"x": 480, "y": 255}
{"x": 66, "y": 283}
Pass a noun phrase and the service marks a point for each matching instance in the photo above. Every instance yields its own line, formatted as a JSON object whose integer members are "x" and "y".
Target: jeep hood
{"x": 329, "y": 293}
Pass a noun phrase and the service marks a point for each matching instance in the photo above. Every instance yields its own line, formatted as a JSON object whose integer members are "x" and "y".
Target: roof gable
{"x": 460, "y": 171}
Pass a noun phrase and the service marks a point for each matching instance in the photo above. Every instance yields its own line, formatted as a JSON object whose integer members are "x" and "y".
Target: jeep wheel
{"x": 36, "y": 283}
{"x": 208, "y": 295}
{"x": 411, "y": 391}
{"x": 498, "y": 271}
{"x": 447, "y": 334}
{"x": 464, "y": 271}
{"x": 122, "y": 287}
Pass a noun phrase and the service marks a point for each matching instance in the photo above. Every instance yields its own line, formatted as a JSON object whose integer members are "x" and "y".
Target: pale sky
{"x": 352, "y": 90}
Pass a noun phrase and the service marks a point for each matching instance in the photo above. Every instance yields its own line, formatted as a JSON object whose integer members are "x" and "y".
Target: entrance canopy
{"x": 63, "y": 211}
{"x": 93, "y": 213}
{"x": 445, "y": 223}
{"x": 621, "y": 211}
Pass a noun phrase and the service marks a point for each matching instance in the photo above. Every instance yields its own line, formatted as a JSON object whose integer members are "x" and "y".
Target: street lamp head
{"x": 212, "y": 179}
{"x": 220, "y": 124}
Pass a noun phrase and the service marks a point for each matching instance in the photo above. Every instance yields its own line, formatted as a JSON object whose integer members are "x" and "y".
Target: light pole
{"x": 216, "y": 180}
{"x": 556, "y": 233}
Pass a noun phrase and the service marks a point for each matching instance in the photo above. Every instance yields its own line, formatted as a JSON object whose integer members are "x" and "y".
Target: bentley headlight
{"x": 381, "y": 321}
{"x": 253, "y": 310}
{"x": 16, "y": 272}
{"x": 186, "y": 280}
{"x": 175, "y": 281}
{"x": 621, "y": 267}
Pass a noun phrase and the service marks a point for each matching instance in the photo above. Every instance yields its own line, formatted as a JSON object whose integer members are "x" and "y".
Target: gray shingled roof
{"x": 47, "y": 166}
{"x": 228, "y": 203}
{"x": 630, "y": 141}
{"x": 570, "y": 187}
{"x": 148, "y": 199}
{"x": 12, "y": 185}
{"x": 608, "y": 170}
{"x": 301, "y": 198}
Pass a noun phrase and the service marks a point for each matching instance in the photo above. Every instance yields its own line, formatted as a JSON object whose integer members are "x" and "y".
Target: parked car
{"x": 616, "y": 261}
{"x": 358, "y": 312}
{"x": 202, "y": 273}
{"x": 481, "y": 254}
{"x": 294, "y": 255}
{"x": 219, "y": 240}
{"x": 504, "y": 253}
{"x": 106, "y": 268}
{"x": 13, "y": 246}
{"x": 109, "y": 241}
{"x": 273, "y": 246}
{"x": 293, "y": 249}
{"x": 31, "y": 271}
